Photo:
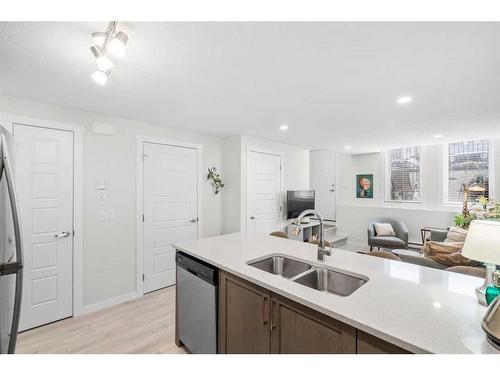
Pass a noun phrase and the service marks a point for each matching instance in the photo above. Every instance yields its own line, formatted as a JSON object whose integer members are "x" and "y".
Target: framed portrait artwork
{"x": 364, "y": 186}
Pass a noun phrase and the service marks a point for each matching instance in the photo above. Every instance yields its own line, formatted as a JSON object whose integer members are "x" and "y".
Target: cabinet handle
{"x": 265, "y": 310}
{"x": 274, "y": 314}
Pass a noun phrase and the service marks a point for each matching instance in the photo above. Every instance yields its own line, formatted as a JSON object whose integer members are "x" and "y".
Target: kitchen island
{"x": 400, "y": 308}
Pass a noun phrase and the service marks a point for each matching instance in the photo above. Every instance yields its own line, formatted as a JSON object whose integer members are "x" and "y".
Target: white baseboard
{"x": 109, "y": 302}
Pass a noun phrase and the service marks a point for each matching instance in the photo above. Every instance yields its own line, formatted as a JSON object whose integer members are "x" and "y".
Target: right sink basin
{"x": 331, "y": 281}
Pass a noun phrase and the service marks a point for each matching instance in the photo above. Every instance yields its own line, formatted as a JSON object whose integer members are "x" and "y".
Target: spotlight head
{"x": 101, "y": 77}
{"x": 103, "y": 62}
{"x": 99, "y": 39}
{"x": 118, "y": 43}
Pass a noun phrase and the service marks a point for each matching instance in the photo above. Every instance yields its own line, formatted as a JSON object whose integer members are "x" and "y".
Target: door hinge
{"x": 73, "y": 233}
{"x": 143, "y": 218}
{"x": 280, "y": 167}
{"x": 281, "y": 208}
{"x": 142, "y": 277}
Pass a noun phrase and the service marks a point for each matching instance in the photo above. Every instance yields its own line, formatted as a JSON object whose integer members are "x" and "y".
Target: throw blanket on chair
{"x": 447, "y": 253}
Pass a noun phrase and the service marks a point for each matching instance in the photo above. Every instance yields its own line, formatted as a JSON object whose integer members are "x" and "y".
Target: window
{"x": 467, "y": 162}
{"x": 403, "y": 174}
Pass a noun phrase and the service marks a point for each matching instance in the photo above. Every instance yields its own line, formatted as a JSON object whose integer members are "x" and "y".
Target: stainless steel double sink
{"x": 323, "y": 279}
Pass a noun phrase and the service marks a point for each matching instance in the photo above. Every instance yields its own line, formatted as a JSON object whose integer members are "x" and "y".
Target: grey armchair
{"x": 400, "y": 241}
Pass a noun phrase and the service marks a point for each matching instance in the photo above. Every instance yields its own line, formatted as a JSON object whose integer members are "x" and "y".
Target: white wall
{"x": 231, "y": 202}
{"x": 295, "y": 175}
{"x": 109, "y": 254}
{"x": 353, "y": 214}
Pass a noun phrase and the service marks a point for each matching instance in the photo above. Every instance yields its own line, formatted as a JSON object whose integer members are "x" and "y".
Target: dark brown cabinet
{"x": 254, "y": 320}
{"x": 368, "y": 344}
{"x": 244, "y": 312}
{"x": 248, "y": 324}
{"x": 298, "y": 329}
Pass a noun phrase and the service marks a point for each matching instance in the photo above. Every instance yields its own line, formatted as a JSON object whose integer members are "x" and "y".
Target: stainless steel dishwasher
{"x": 197, "y": 304}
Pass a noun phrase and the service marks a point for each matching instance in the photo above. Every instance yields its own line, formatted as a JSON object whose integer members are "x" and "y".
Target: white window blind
{"x": 468, "y": 162}
{"x": 403, "y": 174}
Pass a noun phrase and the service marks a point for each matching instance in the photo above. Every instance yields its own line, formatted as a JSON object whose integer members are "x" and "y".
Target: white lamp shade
{"x": 483, "y": 242}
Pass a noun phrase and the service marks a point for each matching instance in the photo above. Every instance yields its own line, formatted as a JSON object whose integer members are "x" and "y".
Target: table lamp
{"x": 483, "y": 244}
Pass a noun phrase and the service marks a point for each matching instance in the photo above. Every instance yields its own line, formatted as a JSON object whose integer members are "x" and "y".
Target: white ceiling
{"x": 334, "y": 84}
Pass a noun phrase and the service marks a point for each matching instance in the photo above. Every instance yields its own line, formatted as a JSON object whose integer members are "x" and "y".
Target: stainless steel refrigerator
{"x": 11, "y": 260}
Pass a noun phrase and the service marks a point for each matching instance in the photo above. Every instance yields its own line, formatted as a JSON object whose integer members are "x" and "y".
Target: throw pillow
{"x": 456, "y": 234}
{"x": 384, "y": 229}
{"x": 454, "y": 259}
{"x": 434, "y": 247}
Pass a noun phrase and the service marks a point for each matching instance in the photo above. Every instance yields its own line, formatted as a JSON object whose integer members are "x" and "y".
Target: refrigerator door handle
{"x": 7, "y": 168}
{"x": 13, "y": 200}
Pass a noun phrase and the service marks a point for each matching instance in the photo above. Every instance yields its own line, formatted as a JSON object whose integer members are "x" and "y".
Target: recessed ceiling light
{"x": 284, "y": 127}
{"x": 404, "y": 100}
{"x": 347, "y": 147}
{"x": 438, "y": 136}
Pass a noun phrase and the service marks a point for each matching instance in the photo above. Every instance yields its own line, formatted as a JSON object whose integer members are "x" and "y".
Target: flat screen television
{"x": 298, "y": 201}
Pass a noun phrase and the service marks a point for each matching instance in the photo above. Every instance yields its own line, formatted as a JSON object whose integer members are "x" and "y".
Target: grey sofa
{"x": 400, "y": 241}
{"x": 414, "y": 257}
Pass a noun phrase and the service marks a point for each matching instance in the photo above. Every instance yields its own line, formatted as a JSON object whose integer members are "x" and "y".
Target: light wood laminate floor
{"x": 143, "y": 325}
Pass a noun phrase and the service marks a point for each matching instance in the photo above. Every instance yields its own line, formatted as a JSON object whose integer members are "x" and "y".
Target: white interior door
{"x": 44, "y": 176}
{"x": 170, "y": 209}
{"x": 322, "y": 173}
{"x": 263, "y": 192}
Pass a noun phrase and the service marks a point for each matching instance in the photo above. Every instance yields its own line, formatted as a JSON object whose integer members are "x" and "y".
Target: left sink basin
{"x": 280, "y": 265}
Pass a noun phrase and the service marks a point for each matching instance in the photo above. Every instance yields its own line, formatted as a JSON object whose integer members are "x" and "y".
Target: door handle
{"x": 252, "y": 217}
{"x": 193, "y": 220}
{"x": 63, "y": 234}
{"x": 5, "y": 166}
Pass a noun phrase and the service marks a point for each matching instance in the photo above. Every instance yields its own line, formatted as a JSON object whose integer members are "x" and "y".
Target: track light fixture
{"x": 111, "y": 42}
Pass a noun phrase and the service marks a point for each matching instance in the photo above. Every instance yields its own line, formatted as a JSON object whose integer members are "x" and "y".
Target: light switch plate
{"x": 105, "y": 215}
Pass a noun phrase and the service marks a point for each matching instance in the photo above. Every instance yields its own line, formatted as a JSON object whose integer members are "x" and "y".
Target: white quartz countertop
{"x": 417, "y": 308}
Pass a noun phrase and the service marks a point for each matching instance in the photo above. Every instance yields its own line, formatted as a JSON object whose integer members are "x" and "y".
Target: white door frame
{"x": 261, "y": 150}
{"x": 78, "y": 130}
{"x": 141, "y": 139}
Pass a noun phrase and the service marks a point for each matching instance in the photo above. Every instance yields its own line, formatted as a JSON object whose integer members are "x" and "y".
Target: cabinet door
{"x": 243, "y": 316}
{"x": 368, "y": 344}
{"x": 298, "y": 329}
